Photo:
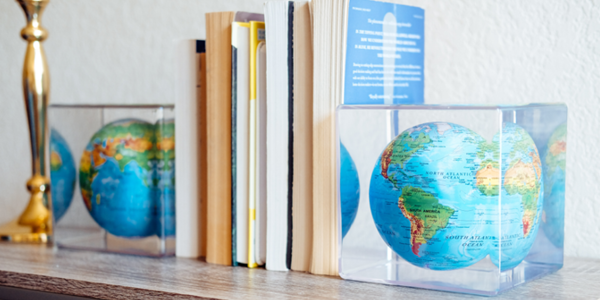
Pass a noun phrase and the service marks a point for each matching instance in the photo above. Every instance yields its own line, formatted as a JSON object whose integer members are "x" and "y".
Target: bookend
{"x": 459, "y": 198}
{"x": 113, "y": 178}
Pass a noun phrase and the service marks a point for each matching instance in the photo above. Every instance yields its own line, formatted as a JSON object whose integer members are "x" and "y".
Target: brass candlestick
{"x": 35, "y": 223}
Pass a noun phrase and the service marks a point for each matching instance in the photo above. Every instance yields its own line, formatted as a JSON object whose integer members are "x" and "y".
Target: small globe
{"x": 554, "y": 163}
{"x": 165, "y": 179}
{"x": 349, "y": 189}
{"x": 434, "y": 196}
{"x": 62, "y": 174}
{"x": 116, "y": 178}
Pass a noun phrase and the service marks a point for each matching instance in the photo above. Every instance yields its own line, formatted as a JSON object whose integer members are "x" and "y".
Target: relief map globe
{"x": 126, "y": 178}
{"x": 434, "y": 196}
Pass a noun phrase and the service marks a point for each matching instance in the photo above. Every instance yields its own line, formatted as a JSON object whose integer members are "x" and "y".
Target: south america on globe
{"x": 349, "y": 189}
{"x": 116, "y": 178}
{"x": 62, "y": 174}
{"x": 434, "y": 196}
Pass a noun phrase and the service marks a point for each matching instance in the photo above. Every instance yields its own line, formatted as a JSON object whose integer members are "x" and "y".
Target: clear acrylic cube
{"x": 113, "y": 178}
{"x": 460, "y": 198}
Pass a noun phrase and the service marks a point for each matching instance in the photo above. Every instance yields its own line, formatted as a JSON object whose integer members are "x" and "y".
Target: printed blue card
{"x": 384, "y": 53}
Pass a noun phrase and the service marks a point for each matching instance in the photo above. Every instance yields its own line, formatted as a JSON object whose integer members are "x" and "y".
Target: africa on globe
{"x": 434, "y": 196}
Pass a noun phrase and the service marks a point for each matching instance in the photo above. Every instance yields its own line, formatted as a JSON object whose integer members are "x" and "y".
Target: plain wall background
{"x": 484, "y": 51}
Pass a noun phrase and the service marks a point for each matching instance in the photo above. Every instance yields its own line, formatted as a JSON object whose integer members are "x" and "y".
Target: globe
{"x": 434, "y": 196}
{"x": 62, "y": 174}
{"x": 554, "y": 163}
{"x": 165, "y": 179}
{"x": 116, "y": 178}
{"x": 349, "y": 189}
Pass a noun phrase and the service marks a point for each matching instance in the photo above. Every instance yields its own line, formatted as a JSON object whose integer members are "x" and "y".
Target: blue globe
{"x": 116, "y": 178}
{"x": 349, "y": 189}
{"x": 62, "y": 175}
{"x": 434, "y": 196}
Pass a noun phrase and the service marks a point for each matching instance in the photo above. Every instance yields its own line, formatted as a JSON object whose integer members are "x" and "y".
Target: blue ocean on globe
{"x": 116, "y": 178}
{"x": 554, "y": 162}
{"x": 124, "y": 203}
{"x": 434, "y": 196}
{"x": 62, "y": 174}
{"x": 349, "y": 189}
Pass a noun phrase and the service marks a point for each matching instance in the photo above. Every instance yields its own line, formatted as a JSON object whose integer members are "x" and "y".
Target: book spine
{"x": 218, "y": 114}
{"x": 290, "y": 63}
{"x": 233, "y": 155}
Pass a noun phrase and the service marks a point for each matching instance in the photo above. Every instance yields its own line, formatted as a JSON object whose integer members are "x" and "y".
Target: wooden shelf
{"x": 112, "y": 276}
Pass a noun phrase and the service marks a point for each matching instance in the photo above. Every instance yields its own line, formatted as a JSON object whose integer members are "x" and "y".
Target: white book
{"x": 240, "y": 42}
{"x": 260, "y": 241}
{"x": 278, "y": 137}
{"x": 187, "y": 197}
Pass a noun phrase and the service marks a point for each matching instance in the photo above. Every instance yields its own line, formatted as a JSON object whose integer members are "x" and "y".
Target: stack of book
{"x": 255, "y": 104}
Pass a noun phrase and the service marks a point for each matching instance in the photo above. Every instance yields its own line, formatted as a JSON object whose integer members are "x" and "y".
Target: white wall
{"x": 482, "y": 51}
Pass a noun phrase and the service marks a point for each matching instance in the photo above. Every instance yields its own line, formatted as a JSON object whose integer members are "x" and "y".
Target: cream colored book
{"x": 302, "y": 216}
{"x": 190, "y": 128}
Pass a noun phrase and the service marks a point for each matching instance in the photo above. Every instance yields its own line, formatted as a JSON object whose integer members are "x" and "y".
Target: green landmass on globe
{"x": 400, "y": 150}
{"x": 425, "y": 213}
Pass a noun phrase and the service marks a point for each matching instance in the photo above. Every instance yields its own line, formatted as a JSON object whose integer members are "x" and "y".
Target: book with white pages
{"x": 240, "y": 102}
{"x": 190, "y": 223}
{"x": 365, "y": 53}
{"x": 279, "y": 135}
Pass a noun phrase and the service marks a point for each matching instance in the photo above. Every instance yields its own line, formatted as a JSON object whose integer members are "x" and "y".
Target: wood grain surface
{"x": 113, "y": 276}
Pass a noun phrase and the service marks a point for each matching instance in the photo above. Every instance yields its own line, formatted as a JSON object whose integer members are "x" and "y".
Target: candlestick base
{"x": 13, "y": 232}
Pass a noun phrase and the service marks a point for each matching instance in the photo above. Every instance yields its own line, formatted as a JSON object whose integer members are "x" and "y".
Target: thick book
{"x": 240, "y": 95}
{"x": 279, "y": 136}
{"x": 240, "y": 133}
{"x": 302, "y": 86}
{"x": 365, "y": 52}
{"x": 190, "y": 129}
{"x": 218, "y": 112}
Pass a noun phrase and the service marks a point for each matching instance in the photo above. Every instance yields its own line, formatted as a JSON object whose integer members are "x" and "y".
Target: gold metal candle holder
{"x": 35, "y": 223}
